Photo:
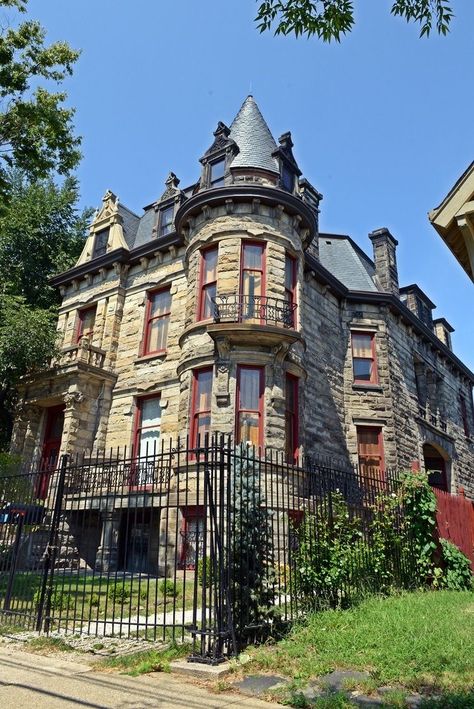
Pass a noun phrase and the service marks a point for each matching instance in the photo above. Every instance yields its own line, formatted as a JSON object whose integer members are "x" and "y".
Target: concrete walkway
{"x": 51, "y": 682}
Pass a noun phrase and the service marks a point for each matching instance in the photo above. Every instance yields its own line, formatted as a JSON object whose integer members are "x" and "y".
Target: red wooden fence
{"x": 455, "y": 521}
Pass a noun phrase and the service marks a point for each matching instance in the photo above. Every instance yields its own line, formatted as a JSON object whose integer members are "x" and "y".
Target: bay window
{"x": 201, "y": 405}
{"x": 249, "y": 409}
{"x": 252, "y": 280}
{"x": 208, "y": 283}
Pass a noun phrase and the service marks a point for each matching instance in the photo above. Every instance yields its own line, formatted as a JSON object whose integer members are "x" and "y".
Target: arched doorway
{"x": 436, "y": 467}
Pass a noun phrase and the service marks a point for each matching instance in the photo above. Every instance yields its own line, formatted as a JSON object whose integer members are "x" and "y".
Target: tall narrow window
{"x": 290, "y": 279}
{"x": 208, "y": 287}
{"x": 100, "y": 242}
{"x": 464, "y": 417}
{"x": 252, "y": 279}
{"x": 250, "y": 405}
{"x": 85, "y": 323}
{"x": 364, "y": 363}
{"x": 217, "y": 171}
{"x": 370, "y": 450}
{"x": 158, "y": 309}
{"x": 201, "y": 406}
{"x": 192, "y": 535}
{"x": 166, "y": 221}
{"x": 147, "y": 426}
{"x": 287, "y": 178}
{"x": 291, "y": 418}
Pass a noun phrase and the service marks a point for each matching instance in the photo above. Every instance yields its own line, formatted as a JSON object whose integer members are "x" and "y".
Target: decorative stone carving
{"x": 71, "y": 399}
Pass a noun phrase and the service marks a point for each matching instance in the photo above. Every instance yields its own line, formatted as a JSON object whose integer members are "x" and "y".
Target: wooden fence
{"x": 455, "y": 521}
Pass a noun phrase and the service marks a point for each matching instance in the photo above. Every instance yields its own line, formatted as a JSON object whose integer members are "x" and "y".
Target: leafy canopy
{"x": 36, "y": 132}
{"x": 329, "y": 19}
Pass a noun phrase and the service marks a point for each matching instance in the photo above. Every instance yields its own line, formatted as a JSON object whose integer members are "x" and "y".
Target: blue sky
{"x": 382, "y": 123}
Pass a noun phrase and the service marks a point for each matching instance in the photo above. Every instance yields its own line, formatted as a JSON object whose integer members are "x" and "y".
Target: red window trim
{"x": 379, "y": 429}
{"x": 293, "y": 381}
{"x": 137, "y": 423}
{"x": 374, "y": 378}
{"x": 149, "y": 298}
{"x": 193, "y": 411}
{"x": 290, "y": 294}
{"x": 261, "y": 370}
{"x": 188, "y": 512}
{"x": 80, "y": 321}
{"x": 201, "y": 284}
{"x": 253, "y": 242}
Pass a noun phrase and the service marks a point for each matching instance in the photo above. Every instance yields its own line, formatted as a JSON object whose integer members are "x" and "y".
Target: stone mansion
{"x": 223, "y": 308}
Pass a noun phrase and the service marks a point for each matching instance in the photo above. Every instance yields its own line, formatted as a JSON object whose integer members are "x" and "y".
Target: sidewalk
{"x": 51, "y": 682}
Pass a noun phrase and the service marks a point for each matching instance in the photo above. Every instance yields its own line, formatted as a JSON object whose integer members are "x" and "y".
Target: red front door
{"x": 51, "y": 445}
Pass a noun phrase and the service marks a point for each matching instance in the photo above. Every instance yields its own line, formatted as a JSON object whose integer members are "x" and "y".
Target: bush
{"x": 168, "y": 588}
{"x": 455, "y": 574}
{"x": 200, "y": 571}
{"x": 95, "y": 600}
{"x": 60, "y": 601}
{"x": 119, "y": 593}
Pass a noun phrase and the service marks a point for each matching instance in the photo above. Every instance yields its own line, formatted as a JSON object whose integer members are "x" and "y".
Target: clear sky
{"x": 382, "y": 123}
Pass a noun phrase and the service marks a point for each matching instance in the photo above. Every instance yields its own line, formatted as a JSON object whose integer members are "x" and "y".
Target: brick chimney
{"x": 385, "y": 258}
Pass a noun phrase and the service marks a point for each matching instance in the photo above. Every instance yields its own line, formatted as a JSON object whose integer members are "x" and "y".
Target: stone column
{"x": 107, "y": 553}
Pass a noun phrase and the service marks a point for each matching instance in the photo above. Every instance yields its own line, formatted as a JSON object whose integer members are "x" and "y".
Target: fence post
{"x": 50, "y": 554}
{"x": 16, "y": 548}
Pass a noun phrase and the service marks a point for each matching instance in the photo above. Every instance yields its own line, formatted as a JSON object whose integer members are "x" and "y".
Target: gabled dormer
{"x": 167, "y": 206}
{"x": 216, "y": 160}
{"x": 111, "y": 225}
{"x": 289, "y": 170}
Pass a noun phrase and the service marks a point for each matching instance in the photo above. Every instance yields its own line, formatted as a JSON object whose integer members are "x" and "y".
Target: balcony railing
{"x": 433, "y": 418}
{"x": 84, "y": 352}
{"x": 257, "y": 309}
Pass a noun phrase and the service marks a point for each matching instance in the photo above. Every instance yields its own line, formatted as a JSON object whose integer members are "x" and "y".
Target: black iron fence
{"x": 235, "y": 307}
{"x": 213, "y": 544}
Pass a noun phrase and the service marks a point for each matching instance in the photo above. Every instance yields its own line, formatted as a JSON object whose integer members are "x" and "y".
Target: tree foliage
{"x": 41, "y": 234}
{"x": 330, "y": 19}
{"x": 36, "y": 132}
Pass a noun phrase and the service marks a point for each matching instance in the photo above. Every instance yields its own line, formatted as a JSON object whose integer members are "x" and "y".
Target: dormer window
{"x": 217, "y": 170}
{"x": 166, "y": 220}
{"x": 287, "y": 178}
{"x": 100, "y": 243}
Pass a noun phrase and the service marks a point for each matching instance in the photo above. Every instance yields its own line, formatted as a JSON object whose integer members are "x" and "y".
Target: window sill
{"x": 366, "y": 387}
{"x": 151, "y": 356}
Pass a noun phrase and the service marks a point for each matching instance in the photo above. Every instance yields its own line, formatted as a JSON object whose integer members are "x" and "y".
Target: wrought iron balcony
{"x": 257, "y": 309}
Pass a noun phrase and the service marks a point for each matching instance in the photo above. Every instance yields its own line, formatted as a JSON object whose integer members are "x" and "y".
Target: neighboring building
{"x": 454, "y": 220}
{"x": 222, "y": 308}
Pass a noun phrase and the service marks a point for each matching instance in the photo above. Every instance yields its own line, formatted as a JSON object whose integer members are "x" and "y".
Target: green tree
{"x": 41, "y": 234}
{"x": 329, "y": 19}
{"x": 36, "y": 132}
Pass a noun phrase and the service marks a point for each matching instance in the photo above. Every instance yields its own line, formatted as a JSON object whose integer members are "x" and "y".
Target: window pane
{"x": 158, "y": 334}
{"x": 362, "y": 369}
{"x": 289, "y": 273}
{"x": 204, "y": 391}
{"x": 253, "y": 256}
{"x": 166, "y": 220}
{"x": 208, "y": 293}
{"x": 249, "y": 389}
{"x": 203, "y": 424}
{"x": 362, "y": 345}
{"x": 150, "y": 412}
{"x": 160, "y": 303}
{"x": 148, "y": 441}
{"x": 100, "y": 243}
{"x": 249, "y": 428}
{"x": 217, "y": 171}
{"x": 209, "y": 270}
{"x": 252, "y": 283}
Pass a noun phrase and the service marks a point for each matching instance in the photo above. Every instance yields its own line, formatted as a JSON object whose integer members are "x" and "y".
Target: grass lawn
{"x": 141, "y": 662}
{"x": 421, "y": 641}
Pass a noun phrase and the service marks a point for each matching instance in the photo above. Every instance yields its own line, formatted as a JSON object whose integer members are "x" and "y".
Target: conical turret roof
{"x": 254, "y": 139}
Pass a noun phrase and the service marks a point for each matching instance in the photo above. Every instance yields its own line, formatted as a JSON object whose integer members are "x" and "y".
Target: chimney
{"x": 385, "y": 258}
{"x": 443, "y": 331}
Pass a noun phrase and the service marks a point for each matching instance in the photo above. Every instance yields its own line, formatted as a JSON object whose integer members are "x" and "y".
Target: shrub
{"x": 60, "y": 601}
{"x": 95, "y": 600}
{"x": 209, "y": 571}
{"x": 456, "y": 574}
{"x": 168, "y": 588}
{"x": 119, "y": 593}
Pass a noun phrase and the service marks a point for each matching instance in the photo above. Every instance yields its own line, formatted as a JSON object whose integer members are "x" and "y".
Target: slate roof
{"x": 347, "y": 262}
{"x": 130, "y": 224}
{"x": 254, "y": 139}
{"x": 144, "y": 233}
